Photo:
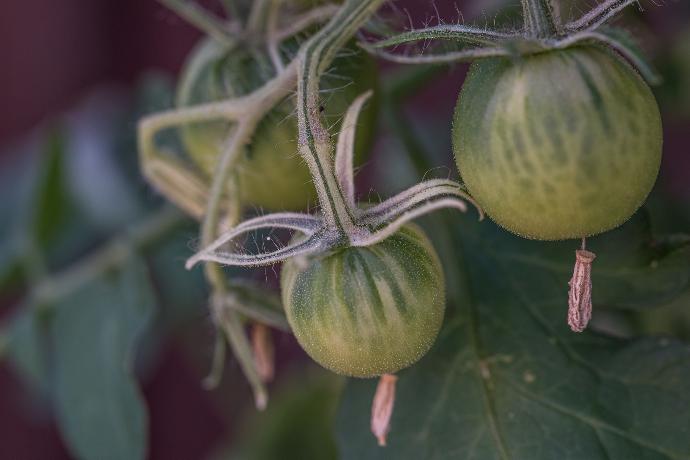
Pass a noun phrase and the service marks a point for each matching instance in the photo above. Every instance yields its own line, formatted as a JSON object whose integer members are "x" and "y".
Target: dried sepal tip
{"x": 262, "y": 344}
{"x": 382, "y": 407}
{"x": 580, "y": 293}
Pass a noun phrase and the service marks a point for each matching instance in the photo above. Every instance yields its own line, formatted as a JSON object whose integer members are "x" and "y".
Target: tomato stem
{"x": 539, "y": 18}
{"x": 202, "y": 19}
{"x": 315, "y": 144}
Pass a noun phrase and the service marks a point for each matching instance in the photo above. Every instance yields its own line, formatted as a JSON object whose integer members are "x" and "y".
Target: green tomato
{"x": 562, "y": 144}
{"x": 367, "y": 311}
{"x": 270, "y": 174}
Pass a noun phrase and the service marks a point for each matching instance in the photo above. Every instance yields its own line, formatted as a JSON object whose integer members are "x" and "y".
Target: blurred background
{"x": 75, "y": 76}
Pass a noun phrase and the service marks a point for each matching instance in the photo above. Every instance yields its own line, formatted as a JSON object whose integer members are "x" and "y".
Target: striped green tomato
{"x": 270, "y": 173}
{"x": 367, "y": 311}
{"x": 562, "y": 144}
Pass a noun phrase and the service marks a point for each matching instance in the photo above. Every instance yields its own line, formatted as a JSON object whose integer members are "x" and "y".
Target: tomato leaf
{"x": 296, "y": 424}
{"x": 99, "y": 408}
{"x": 508, "y": 379}
{"x": 27, "y": 347}
{"x": 634, "y": 269}
{"x": 51, "y": 198}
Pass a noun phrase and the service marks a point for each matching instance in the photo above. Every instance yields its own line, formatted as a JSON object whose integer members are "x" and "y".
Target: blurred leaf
{"x": 672, "y": 319}
{"x": 51, "y": 199}
{"x": 183, "y": 294}
{"x": 630, "y": 271}
{"x": 508, "y": 379}
{"x": 296, "y": 425}
{"x": 27, "y": 347}
{"x": 95, "y": 165}
{"x": 95, "y": 330}
{"x": 18, "y": 179}
{"x": 10, "y": 269}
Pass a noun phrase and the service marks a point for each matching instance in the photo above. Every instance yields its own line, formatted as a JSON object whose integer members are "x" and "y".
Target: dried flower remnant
{"x": 580, "y": 293}
{"x": 382, "y": 407}
{"x": 262, "y": 344}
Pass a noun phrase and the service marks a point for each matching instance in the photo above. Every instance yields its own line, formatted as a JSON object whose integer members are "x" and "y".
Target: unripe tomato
{"x": 270, "y": 174}
{"x": 367, "y": 311}
{"x": 562, "y": 144}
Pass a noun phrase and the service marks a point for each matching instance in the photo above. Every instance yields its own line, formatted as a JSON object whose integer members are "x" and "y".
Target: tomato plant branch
{"x": 542, "y": 32}
{"x": 266, "y": 98}
{"x": 273, "y": 42}
{"x": 341, "y": 222}
{"x": 258, "y": 16}
{"x": 314, "y": 141}
{"x": 203, "y": 19}
{"x": 215, "y": 375}
{"x": 599, "y": 15}
{"x": 230, "y": 320}
{"x": 182, "y": 186}
{"x": 304, "y": 21}
{"x": 445, "y": 58}
{"x": 112, "y": 255}
{"x": 233, "y": 328}
{"x": 539, "y": 21}
{"x": 231, "y": 9}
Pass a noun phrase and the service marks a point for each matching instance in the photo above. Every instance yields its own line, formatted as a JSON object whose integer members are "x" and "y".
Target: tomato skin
{"x": 271, "y": 174}
{"x": 367, "y": 311}
{"x": 558, "y": 145}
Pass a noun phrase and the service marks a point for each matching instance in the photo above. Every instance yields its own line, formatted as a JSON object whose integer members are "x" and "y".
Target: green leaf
{"x": 95, "y": 330}
{"x": 27, "y": 347}
{"x": 296, "y": 424}
{"x": 18, "y": 180}
{"x": 508, "y": 379}
{"x": 51, "y": 199}
{"x": 630, "y": 271}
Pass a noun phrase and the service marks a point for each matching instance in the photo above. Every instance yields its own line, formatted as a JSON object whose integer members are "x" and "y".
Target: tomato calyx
{"x": 542, "y": 32}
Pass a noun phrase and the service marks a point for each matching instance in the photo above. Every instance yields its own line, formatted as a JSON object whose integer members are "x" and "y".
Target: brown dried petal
{"x": 262, "y": 344}
{"x": 580, "y": 293}
{"x": 382, "y": 407}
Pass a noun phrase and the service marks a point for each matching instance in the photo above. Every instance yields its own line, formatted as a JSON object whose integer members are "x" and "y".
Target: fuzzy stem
{"x": 201, "y": 19}
{"x": 231, "y": 9}
{"x": 233, "y": 328}
{"x": 273, "y": 43}
{"x": 301, "y": 23}
{"x": 315, "y": 144}
{"x": 538, "y": 18}
{"x": 113, "y": 254}
{"x": 258, "y": 15}
{"x": 215, "y": 375}
{"x": 229, "y": 320}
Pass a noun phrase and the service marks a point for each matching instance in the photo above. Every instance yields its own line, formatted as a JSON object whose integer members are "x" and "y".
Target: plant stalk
{"x": 315, "y": 144}
{"x": 538, "y": 18}
{"x": 113, "y": 254}
{"x": 201, "y": 19}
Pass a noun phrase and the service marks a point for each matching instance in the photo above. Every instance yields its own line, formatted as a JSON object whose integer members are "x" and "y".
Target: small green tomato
{"x": 270, "y": 174}
{"x": 367, "y": 311}
{"x": 562, "y": 144}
